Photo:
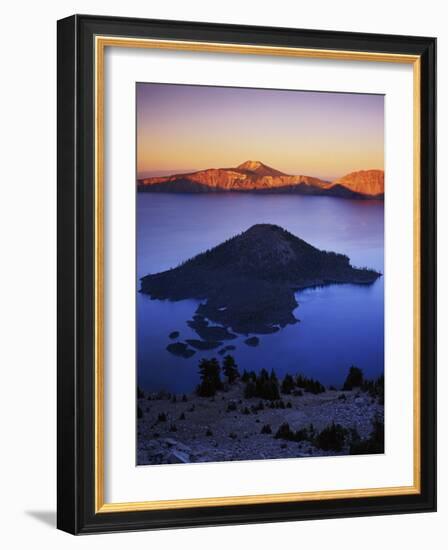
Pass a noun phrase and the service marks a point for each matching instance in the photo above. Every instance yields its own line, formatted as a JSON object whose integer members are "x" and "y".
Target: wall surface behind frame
{"x": 28, "y": 274}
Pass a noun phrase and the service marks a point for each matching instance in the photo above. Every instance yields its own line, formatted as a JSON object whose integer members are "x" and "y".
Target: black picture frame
{"x": 76, "y": 286}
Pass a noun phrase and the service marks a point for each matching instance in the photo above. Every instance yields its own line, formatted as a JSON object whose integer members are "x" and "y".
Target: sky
{"x": 327, "y": 135}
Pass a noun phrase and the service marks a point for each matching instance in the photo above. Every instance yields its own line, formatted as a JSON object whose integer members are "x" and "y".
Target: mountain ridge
{"x": 363, "y": 181}
{"x": 255, "y": 176}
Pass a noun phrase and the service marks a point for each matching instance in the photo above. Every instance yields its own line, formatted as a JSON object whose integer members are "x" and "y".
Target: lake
{"x": 340, "y": 325}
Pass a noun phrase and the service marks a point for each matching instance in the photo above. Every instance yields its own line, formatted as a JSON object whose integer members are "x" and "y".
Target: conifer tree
{"x": 288, "y": 384}
{"x": 209, "y": 372}
{"x": 230, "y": 369}
{"x": 355, "y": 378}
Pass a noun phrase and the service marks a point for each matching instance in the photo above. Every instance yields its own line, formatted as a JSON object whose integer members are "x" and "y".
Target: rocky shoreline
{"x": 231, "y": 426}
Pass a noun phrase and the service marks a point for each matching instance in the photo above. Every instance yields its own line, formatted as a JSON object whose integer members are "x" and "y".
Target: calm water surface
{"x": 340, "y": 325}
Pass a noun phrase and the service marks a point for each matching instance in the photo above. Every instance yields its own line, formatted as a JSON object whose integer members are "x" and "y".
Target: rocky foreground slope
{"x": 229, "y": 426}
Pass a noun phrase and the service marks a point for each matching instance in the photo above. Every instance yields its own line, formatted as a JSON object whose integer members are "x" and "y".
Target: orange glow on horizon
{"x": 327, "y": 135}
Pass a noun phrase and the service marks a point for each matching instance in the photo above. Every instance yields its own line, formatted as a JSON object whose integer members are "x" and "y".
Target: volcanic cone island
{"x": 247, "y": 284}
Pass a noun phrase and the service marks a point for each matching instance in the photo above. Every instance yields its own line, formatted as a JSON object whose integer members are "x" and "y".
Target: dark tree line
{"x": 309, "y": 384}
{"x": 267, "y": 386}
{"x": 335, "y": 437}
{"x": 210, "y": 375}
{"x": 263, "y": 385}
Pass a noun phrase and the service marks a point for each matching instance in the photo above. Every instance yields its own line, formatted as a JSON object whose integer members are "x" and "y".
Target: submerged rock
{"x": 204, "y": 345}
{"x": 252, "y": 341}
{"x": 215, "y": 333}
{"x": 225, "y": 349}
{"x": 180, "y": 349}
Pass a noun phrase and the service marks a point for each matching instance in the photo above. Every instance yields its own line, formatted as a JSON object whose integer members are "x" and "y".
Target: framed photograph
{"x": 246, "y": 271}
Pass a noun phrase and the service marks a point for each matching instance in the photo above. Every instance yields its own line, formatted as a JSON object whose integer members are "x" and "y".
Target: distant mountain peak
{"x": 251, "y": 165}
{"x": 259, "y": 168}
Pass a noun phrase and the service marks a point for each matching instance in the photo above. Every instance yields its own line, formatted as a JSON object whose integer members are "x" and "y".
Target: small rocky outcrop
{"x": 253, "y": 341}
{"x": 181, "y": 350}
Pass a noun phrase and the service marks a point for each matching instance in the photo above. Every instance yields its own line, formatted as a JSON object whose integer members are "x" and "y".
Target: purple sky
{"x": 182, "y": 127}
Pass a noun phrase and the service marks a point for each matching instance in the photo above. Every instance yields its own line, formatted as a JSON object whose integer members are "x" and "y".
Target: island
{"x": 247, "y": 284}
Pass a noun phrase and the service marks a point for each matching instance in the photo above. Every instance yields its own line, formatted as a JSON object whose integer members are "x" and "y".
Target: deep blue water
{"x": 340, "y": 325}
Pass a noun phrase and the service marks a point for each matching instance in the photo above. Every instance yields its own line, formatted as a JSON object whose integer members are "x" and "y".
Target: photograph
{"x": 246, "y": 273}
{"x": 259, "y": 273}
